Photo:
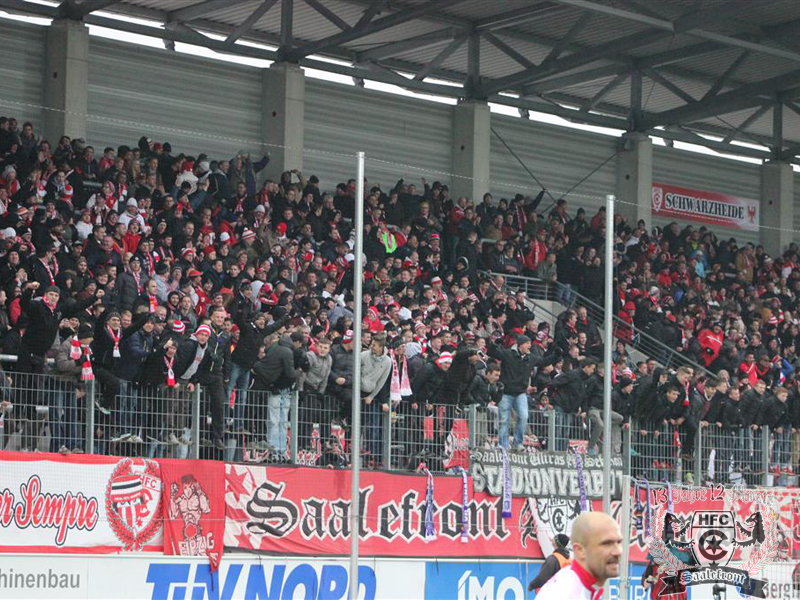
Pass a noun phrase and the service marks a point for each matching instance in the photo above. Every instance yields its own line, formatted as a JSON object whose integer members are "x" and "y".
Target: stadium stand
{"x": 147, "y": 276}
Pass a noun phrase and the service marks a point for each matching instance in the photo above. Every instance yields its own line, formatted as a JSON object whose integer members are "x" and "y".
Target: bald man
{"x": 597, "y": 547}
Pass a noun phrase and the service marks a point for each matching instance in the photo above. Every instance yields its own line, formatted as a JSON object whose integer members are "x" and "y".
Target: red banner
{"x": 86, "y": 504}
{"x": 712, "y": 208}
{"x": 194, "y": 508}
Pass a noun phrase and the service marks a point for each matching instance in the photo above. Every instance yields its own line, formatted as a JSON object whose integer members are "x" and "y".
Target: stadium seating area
{"x": 149, "y": 273}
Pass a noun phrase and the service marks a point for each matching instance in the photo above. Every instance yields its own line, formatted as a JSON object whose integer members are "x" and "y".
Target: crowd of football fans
{"x": 149, "y": 272}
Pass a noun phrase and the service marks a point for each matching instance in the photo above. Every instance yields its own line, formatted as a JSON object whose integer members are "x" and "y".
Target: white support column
{"x": 471, "y": 149}
{"x": 777, "y": 206}
{"x": 66, "y": 80}
{"x": 635, "y": 178}
{"x": 282, "y": 117}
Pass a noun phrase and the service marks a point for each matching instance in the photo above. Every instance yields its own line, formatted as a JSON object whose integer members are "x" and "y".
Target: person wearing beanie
{"x": 518, "y": 366}
{"x": 71, "y": 356}
{"x": 340, "y": 381}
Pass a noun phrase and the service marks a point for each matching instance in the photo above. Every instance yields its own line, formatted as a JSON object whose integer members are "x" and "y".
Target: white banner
{"x": 140, "y": 577}
{"x": 92, "y": 504}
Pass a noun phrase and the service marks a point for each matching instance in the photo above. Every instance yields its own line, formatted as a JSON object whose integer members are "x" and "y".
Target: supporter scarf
{"x": 153, "y": 303}
{"x": 400, "y": 385}
{"x": 86, "y": 371}
{"x": 464, "y": 505}
{"x": 170, "y": 373}
{"x": 48, "y": 304}
{"x": 506, "y": 484}
{"x": 51, "y": 272}
{"x": 686, "y": 391}
{"x": 151, "y": 267}
{"x": 137, "y": 277}
{"x": 75, "y": 348}
{"x": 115, "y": 337}
{"x": 584, "y": 503}
{"x": 430, "y": 533}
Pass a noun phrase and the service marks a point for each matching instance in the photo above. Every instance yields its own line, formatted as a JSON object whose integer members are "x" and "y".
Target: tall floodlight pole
{"x": 609, "y": 335}
{"x": 355, "y": 435}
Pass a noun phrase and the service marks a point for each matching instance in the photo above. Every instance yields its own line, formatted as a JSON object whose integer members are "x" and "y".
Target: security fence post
{"x": 765, "y": 454}
{"x": 196, "y": 422}
{"x": 386, "y": 446}
{"x": 90, "y": 390}
{"x": 472, "y": 423}
{"x": 551, "y": 429}
{"x": 698, "y": 456}
{"x": 626, "y": 453}
{"x": 294, "y": 420}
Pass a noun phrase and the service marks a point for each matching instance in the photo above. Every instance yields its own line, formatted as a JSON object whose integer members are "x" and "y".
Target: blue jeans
{"x": 64, "y": 416}
{"x": 240, "y": 379}
{"x": 563, "y": 424}
{"x": 373, "y": 433}
{"x": 780, "y": 448}
{"x": 278, "y": 405}
{"x": 127, "y": 405}
{"x": 520, "y": 405}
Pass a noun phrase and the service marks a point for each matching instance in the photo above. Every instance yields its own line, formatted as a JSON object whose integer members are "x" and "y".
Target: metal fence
{"x": 49, "y": 413}
{"x": 640, "y": 340}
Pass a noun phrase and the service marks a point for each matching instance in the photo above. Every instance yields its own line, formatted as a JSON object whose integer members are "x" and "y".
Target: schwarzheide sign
{"x": 711, "y": 208}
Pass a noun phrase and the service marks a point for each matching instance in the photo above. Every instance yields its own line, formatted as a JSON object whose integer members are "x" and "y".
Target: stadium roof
{"x": 719, "y": 73}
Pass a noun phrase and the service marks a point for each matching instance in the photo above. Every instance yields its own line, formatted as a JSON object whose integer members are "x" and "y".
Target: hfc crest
{"x": 658, "y": 198}
{"x": 713, "y": 537}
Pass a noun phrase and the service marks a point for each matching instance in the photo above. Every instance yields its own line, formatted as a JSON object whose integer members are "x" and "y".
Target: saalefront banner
{"x": 87, "y": 504}
{"x": 300, "y": 511}
{"x": 711, "y": 208}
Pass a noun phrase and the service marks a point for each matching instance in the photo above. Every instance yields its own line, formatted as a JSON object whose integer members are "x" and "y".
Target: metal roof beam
{"x": 437, "y": 61}
{"x": 513, "y": 17}
{"x": 434, "y": 38}
{"x": 287, "y": 27}
{"x": 736, "y": 99}
{"x": 723, "y": 79}
{"x": 640, "y": 38}
{"x": 746, "y": 123}
{"x": 402, "y": 16}
{"x": 564, "y": 81}
{"x": 573, "y": 31}
{"x": 686, "y": 26}
{"x": 201, "y": 8}
{"x": 668, "y": 85}
{"x": 367, "y": 16}
{"x": 71, "y": 9}
{"x": 248, "y": 23}
{"x": 507, "y": 50}
{"x": 604, "y": 91}
{"x": 328, "y": 14}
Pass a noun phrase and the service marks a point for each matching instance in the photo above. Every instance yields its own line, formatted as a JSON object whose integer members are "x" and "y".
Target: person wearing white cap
{"x": 132, "y": 214}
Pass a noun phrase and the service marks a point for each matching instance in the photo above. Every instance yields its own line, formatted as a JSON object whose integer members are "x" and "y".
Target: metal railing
{"x": 633, "y": 337}
{"x": 51, "y": 413}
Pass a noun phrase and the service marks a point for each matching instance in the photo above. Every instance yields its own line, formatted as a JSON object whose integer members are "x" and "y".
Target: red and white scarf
{"x": 51, "y": 272}
{"x": 400, "y": 386}
{"x": 115, "y": 337}
{"x": 170, "y": 373}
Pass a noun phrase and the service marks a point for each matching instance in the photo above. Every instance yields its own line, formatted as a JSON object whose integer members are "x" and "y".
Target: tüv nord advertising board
{"x": 163, "y": 578}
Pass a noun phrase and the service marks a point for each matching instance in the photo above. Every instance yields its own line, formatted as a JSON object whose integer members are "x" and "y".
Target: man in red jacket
{"x": 710, "y": 340}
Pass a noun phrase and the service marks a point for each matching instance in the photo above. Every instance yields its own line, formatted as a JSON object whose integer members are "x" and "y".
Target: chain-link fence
{"x": 51, "y": 413}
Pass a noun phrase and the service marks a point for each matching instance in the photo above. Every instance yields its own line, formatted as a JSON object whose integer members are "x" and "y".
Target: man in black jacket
{"x": 568, "y": 399}
{"x": 751, "y": 408}
{"x": 486, "y": 390}
{"x": 731, "y": 420}
{"x": 595, "y": 404}
{"x": 251, "y": 337}
{"x": 276, "y": 374}
{"x": 212, "y": 375}
{"x": 518, "y": 365}
{"x": 186, "y": 365}
{"x": 776, "y": 415}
